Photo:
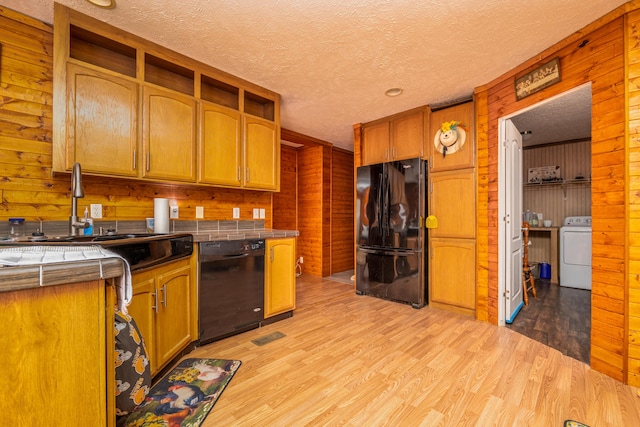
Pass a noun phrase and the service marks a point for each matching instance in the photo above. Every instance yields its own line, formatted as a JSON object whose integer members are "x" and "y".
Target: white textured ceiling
{"x": 332, "y": 60}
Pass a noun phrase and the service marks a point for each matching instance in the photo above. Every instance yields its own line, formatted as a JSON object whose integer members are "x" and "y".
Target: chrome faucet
{"x": 76, "y": 193}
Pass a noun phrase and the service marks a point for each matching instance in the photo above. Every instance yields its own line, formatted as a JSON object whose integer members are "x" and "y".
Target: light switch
{"x": 256, "y": 213}
{"x": 236, "y": 213}
{"x": 199, "y": 212}
{"x": 262, "y": 213}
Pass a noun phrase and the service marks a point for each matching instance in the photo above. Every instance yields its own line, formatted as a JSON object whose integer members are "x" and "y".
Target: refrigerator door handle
{"x": 380, "y": 205}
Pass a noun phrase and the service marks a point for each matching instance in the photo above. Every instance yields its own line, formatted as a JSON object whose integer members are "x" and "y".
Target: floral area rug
{"x": 184, "y": 397}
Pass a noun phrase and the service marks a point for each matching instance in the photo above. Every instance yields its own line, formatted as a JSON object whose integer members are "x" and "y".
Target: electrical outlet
{"x": 173, "y": 212}
{"x": 256, "y": 213}
{"x": 262, "y": 213}
{"x": 236, "y": 213}
{"x": 199, "y": 212}
{"x": 96, "y": 211}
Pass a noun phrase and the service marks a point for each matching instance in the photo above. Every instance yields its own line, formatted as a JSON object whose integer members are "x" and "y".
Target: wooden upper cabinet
{"x": 169, "y": 135}
{"x": 375, "y": 143}
{"x": 398, "y": 137}
{"x": 102, "y": 122}
{"x": 261, "y": 154}
{"x": 457, "y": 156}
{"x": 407, "y": 136}
{"x": 219, "y": 152}
{"x": 127, "y": 107}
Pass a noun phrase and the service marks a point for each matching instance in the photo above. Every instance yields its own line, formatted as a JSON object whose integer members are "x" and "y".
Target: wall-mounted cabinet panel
{"x": 102, "y": 122}
{"x": 451, "y": 198}
{"x": 127, "y": 107}
{"x": 460, "y": 150}
{"x": 169, "y": 135}
{"x": 220, "y": 148}
{"x": 261, "y": 154}
{"x": 395, "y": 138}
{"x": 375, "y": 143}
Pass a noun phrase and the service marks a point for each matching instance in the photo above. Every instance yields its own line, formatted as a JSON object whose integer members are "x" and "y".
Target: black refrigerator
{"x": 390, "y": 234}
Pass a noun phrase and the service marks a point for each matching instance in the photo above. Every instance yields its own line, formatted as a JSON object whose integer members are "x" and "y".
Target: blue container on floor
{"x": 545, "y": 270}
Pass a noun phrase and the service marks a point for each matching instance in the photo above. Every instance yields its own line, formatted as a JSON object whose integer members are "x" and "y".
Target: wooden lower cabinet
{"x": 55, "y": 355}
{"x": 452, "y": 273}
{"x": 280, "y": 276}
{"x": 162, "y": 309}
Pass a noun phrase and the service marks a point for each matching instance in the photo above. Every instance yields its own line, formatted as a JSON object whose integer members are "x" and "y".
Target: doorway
{"x": 550, "y": 129}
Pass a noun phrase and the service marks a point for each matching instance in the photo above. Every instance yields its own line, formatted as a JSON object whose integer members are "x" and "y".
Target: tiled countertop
{"x": 30, "y": 276}
{"x": 206, "y": 236}
{"x": 33, "y": 276}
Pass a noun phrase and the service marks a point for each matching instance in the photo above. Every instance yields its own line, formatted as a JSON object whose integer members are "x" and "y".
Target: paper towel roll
{"x": 160, "y": 215}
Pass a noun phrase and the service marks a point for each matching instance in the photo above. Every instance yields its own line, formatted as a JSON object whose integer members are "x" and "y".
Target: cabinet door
{"x": 219, "y": 150}
{"x": 464, "y": 155}
{"x": 261, "y": 154}
{"x": 142, "y": 309}
{"x": 452, "y": 201}
{"x": 375, "y": 143}
{"x": 169, "y": 135}
{"x": 174, "y": 313}
{"x": 102, "y": 123}
{"x": 55, "y": 355}
{"x": 452, "y": 273}
{"x": 280, "y": 276}
{"x": 407, "y": 136}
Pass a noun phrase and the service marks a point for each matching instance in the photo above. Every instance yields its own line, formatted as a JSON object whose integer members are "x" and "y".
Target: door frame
{"x": 502, "y": 247}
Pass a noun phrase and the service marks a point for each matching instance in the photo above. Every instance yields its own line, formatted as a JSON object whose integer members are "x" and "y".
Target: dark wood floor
{"x": 559, "y": 317}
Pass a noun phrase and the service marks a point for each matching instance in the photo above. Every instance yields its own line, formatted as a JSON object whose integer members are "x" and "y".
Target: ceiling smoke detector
{"x": 394, "y": 91}
{"x": 105, "y": 4}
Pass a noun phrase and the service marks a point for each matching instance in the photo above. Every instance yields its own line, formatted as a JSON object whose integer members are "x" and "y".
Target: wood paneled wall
{"x": 285, "y": 203}
{"x": 633, "y": 196}
{"x": 314, "y": 207}
{"x": 602, "y": 63}
{"x": 342, "y": 214}
{"x": 28, "y": 188}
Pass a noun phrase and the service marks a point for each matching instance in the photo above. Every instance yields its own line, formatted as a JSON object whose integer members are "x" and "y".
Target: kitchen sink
{"x": 89, "y": 239}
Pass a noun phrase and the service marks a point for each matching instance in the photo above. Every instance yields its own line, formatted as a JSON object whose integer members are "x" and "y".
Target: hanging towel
{"x": 41, "y": 254}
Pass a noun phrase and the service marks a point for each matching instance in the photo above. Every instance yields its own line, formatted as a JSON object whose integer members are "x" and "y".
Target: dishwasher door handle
{"x": 209, "y": 258}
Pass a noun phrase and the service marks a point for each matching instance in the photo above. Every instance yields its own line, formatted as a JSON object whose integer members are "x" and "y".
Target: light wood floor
{"x": 353, "y": 360}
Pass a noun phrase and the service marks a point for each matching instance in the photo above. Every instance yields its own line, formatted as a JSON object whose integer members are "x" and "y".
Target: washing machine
{"x": 575, "y": 252}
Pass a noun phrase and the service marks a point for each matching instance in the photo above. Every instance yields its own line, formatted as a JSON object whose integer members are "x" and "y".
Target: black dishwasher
{"x": 231, "y": 287}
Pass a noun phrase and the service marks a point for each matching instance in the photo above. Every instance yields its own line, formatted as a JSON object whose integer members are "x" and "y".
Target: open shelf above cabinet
{"x": 220, "y": 93}
{"x": 168, "y": 75}
{"x": 94, "y": 49}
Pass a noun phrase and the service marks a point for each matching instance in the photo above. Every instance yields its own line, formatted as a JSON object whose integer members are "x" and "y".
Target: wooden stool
{"x": 527, "y": 276}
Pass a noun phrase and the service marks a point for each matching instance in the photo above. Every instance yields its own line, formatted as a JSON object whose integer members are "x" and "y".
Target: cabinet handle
{"x": 394, "y": 152}
{"x": 238, "y": 173}
{"x": 386, "y": 153}
{"x": 248, "y": 175}
{"x": 271, "y": 254}
{"x": 154, "y": 307}
{"x": 135, "y": 159}
{"x": 164, "y": 295}
{"x": 430, "y": 162}
{"x": 148, "y": 161}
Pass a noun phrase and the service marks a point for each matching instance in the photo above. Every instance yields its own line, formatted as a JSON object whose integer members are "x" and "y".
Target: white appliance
{"x": 575, "y": 252}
